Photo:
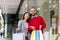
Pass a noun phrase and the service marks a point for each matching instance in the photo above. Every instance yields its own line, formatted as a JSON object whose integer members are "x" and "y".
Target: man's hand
{"x": 40, "y": 27}
{"x": 32, "y": 27}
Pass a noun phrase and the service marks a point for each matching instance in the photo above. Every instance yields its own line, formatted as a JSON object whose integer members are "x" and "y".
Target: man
{"x": 36, "y": 22}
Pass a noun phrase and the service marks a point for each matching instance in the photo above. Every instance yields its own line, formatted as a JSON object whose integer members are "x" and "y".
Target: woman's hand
{"x": 17, "y": 29}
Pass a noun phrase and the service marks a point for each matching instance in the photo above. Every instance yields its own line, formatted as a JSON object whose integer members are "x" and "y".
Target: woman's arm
{"x": 19, "y": 25}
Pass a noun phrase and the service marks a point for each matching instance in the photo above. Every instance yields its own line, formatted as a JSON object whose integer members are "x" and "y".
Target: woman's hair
{"x": 24, "y": 15}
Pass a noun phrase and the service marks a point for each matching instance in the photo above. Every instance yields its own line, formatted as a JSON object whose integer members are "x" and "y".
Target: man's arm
{"x": 30, "y": 27}
{"x": 43, "y": 23}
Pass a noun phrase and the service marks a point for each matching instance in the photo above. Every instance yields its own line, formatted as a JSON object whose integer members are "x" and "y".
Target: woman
{"x": 23, "y": 24}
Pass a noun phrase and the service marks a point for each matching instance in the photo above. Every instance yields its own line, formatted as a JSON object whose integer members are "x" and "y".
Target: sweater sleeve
{"x": 43, "y": 23}
{"x": 29, "y": 28}
{"x": 19, "y": 24}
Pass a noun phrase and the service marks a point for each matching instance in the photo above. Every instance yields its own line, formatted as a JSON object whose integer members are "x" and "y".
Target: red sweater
{"x": 36, "y": 22}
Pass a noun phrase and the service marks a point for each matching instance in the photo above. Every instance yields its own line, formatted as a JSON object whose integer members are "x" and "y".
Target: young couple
{"x": 31, "y": 21}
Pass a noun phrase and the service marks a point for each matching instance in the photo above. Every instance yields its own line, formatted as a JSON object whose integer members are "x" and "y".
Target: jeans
{"x": 26, "y": 38}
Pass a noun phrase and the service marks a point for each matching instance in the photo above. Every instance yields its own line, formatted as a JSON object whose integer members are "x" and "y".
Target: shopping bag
{"x": 36, "y": 35}
{"x": 18, "y": 36}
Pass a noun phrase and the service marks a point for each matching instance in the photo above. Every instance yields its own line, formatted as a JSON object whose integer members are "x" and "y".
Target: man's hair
{"x": 33, "y": 8}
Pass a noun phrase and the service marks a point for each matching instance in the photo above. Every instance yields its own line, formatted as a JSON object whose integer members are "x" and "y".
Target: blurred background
{"x": 12, "y": 11}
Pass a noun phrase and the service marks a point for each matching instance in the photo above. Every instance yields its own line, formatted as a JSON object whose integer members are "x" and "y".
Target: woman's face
{"x": 26, "y": 16}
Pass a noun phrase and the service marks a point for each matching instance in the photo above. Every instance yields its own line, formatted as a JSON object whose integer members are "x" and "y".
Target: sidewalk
{"x": 5, "y": 38}
{"x": 1, "y": 38}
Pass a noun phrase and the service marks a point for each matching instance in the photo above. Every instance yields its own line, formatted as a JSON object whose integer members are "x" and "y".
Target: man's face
{"x": 33, "y": 11}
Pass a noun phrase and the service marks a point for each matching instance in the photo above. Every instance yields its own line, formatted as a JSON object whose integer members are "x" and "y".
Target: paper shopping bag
{"x": 36, "y": 35}
{"x": 18, "y": 36}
